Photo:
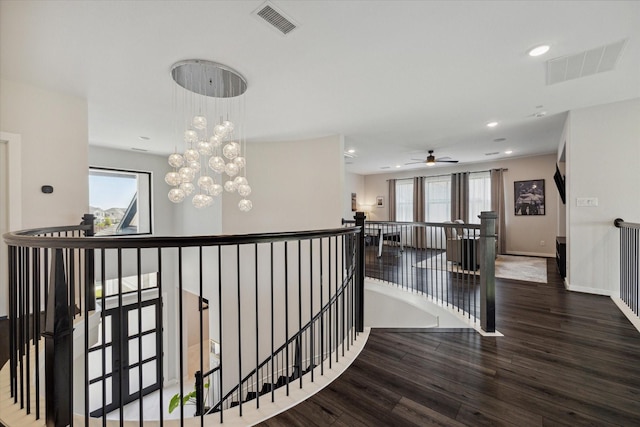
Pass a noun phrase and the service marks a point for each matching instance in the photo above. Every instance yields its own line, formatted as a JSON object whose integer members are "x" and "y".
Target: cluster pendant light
{"x": 209, "y": 110}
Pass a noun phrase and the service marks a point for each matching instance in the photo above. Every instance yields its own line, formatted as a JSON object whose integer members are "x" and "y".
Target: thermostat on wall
{"x": 47, "y": 189}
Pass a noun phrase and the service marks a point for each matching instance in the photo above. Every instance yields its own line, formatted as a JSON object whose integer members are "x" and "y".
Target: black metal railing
{"x": 127, "y": 318}
{"x": 451, "y": 263}
{"x": 629, "y": 264}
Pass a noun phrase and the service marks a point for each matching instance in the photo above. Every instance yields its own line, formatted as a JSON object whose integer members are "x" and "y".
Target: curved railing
{"x": 629, "y": 264}
{"x": 453, "y": 264}
{"x": 128, "y": 320}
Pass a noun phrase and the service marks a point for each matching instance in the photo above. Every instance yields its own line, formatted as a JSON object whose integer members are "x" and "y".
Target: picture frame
{"x": 354, "y": 203}
{"x": 380, "y": 202}
{"x": 529, "y": 197}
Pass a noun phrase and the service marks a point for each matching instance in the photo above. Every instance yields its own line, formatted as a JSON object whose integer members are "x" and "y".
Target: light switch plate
{"x": 587, "y": 202}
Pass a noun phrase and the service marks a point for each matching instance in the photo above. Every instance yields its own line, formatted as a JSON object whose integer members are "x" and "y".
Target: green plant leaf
{"x": 175, "y": 401}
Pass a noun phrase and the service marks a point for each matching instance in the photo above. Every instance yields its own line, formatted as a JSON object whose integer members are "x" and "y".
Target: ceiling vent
{"x": 593, "y": 61}
{"x": 275, "y": 18}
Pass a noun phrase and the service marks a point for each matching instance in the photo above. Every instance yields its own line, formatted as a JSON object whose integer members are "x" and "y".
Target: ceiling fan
{"x": 431, "y": 160}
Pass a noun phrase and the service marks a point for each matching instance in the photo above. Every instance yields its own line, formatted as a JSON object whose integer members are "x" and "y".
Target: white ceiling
{"x": 396, "y": 78}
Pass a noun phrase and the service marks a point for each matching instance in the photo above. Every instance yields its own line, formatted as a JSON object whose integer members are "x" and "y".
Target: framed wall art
{"x": 528, "y": 197}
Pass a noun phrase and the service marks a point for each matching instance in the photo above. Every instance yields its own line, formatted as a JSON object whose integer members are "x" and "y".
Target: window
{"x": 437, "y": 196}
{"x": 404, "y": 200}
{"x": 479, "y": 195}
{"x": 120, "y": 201}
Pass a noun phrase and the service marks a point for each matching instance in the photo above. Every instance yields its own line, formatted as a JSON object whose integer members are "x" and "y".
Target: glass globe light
{"x": 195, "y": 166}
{"x": 205, "y": 148}
{"x": 231, "y": 169}
{"x": 228, "y": 126}
{"x": 190, "y": 136}
{"x": 199, "y": 122}
{"x": 217, "y": 164}
{"x": 176, "y": 195}
{"x": 244, "y": 190}
{"x": 187, "y": 174}
{"x": 173, "y": 178}
{"x": 215, "y": 141}
{"x": 188, "y": 188}
{"x": 191, "y": 155}
{"x": 240, "y": 161}
{"x": 205, "y": 182}
{"x": 231, "y": 150}
{"x": 230, "y": 186}
{"x": 239, "y": 180}
{"x": 215, "y": 189}
{"x": 176, "y": 160}
{"x": 245, "y": 205}
{"x": 220, "y": 131}
{"x": 201, "y": 200}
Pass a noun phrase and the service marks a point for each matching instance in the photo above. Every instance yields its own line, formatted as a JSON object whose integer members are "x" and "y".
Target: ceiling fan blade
{"x": 446, "y": 161}
{"x": 418, "y": 160}
{"x": 414, "y": 163}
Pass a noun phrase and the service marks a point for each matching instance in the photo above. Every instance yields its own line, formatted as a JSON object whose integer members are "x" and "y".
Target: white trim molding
{"x": 14, "y": 155}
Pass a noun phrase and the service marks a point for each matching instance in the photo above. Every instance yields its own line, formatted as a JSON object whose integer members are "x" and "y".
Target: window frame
{"x": 141, "y": 176}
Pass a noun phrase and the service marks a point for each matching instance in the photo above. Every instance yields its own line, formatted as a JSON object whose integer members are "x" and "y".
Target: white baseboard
{"x": 624, "y": 308}
{"x": 536, "y": 254}
{"x": 587, "y": 289}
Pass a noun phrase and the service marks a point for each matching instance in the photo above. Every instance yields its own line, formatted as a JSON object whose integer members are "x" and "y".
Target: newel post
{"x": 488, "y": 271}
{"x": 360, "y": 219}
{"x": 89, "y": 265}
{"x": 199, "y": 387}
{"x": 58, "y": 347}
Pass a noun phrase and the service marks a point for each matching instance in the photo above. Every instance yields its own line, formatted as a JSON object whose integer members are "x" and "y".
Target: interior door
{"x": 131, "y": 353}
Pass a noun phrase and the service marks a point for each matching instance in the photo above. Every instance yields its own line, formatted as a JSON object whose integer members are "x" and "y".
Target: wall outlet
{"x": 587, "y": 201}
{"x": 541, "y": 242}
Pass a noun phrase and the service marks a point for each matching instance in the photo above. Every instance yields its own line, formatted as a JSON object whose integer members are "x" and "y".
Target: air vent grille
{"x": 275, "y": 18}
{"x": 593, "y": 61}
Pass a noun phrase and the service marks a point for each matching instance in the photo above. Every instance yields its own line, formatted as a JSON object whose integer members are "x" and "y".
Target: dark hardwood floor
{"x": 566, "y": 359}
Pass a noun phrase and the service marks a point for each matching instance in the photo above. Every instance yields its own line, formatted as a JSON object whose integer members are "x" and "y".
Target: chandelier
{"x": 210, "y": 112}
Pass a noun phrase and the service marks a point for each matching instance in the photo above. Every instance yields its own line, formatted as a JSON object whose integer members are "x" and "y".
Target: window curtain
{"x": 460, "y": 196}
{"x": 498, "y": 206}
{"x": 392, "y": 200}
{"x": 419, "y": 237}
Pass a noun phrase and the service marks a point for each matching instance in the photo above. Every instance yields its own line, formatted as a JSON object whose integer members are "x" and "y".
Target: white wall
{"x": 296, "y": 185}
{"x": 54, "y": 137}
{"x": 603, "y": 154}
{"x": 524, "y": 233}
{"x": 353, "y": 183}
{"x": 47, "y": 133}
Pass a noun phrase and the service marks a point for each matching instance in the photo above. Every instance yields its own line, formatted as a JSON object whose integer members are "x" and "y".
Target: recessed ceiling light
{"x": 351, "y": 151}
{"x": 539, "y": 50}
{"x": 508, "y": 152}
{"x": 492, "y": 124}
{"x": 144, "y": 138}
{"x": 398, "y": 166}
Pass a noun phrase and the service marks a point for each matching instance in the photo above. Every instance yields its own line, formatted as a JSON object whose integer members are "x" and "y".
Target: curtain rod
{"x": 447, "y": 174}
